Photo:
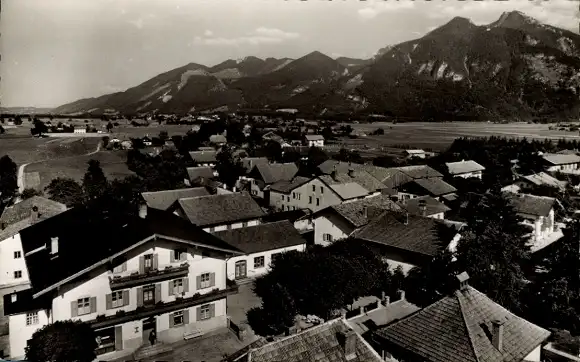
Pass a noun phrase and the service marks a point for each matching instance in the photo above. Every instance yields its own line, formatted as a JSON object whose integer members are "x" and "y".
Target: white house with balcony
{"x": 555, "y": 162}
{"x": 536, "y": 212}
{"x": 314, "y": 140}
{"x": 136, "y": 274}
{"x": 465, "y": 169}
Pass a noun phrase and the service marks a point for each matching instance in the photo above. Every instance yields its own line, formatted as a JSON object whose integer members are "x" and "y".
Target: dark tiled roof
{"x": 287, "y": 186}
{"x": 290, "y": 215}
{"x": 349, "y": 190}
{"x": 314, "y": 137}
{"x": 220, "y": 209}
{"x": 434, "y": 186}
{"x": 559, "y": 159}
{"x": 421, "y": 235}
{"x": 354, "y": 212}
{"x": 432, "y": 206}
{"x": 360, "y": 177}
{"x": 100, "y": 232}
{"x": 241, "y": 355}
{"x": 383, "y": 315}
{"x": 263, "y": 237}
{"x": 162, "y": 200}
{"x": 277, "y": 171}
{"x": 457, "y": 329}
{"x": 20, "y": 211}
{"x": 531, "y": 204}
{"x": 202, "y": 171}
{"x": 203, "y": 156}
{"x": 25, "y": 302}
{"x": 458, "y": 168}
{"x": 419, "y": 171}
{"x": 317, "y": 344}
{"x": 543, "y": 178}
{"x": 250, "y": 162}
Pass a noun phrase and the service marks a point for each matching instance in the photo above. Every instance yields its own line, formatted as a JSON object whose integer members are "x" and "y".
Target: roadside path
{"x": 21, "y": 181}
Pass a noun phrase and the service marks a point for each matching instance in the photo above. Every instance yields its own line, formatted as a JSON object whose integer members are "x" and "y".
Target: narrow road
{"x": 20, "y": 174}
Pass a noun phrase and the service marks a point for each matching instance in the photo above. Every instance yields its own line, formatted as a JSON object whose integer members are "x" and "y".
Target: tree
{"x": 95, "y": 182}
{"x": 163, "y": 136}
{"x": 109, "y": 127}
{"x": 105, "y": 141}
{"x": 8, "y": 177}
{"x": 66, "y": 191}
{"x": 235, "y": 133}
{"x": 426, "y": 285}
{"x": 39, "y": 128}
{"x": 2, "y": 130}
{"x": 273, "y": 151}
{"x": 63, "y": 341}
{"x": 30, "y": 192}
{"x": 229, "y": 168}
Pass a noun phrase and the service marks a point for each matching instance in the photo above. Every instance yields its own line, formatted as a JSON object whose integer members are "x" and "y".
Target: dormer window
{"x": 54, "y": 245}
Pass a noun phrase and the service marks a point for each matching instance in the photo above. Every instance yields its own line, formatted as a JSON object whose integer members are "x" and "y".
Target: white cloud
{"x": 259, "y": 36}
{"x": 208, "y": 33}
{"x": 371, "y": 11}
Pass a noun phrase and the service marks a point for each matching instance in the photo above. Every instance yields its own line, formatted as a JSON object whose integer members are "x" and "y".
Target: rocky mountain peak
{"x": 514, "y": 19}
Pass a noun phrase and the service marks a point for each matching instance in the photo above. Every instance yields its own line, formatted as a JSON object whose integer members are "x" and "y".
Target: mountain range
{"x": 515, "y": 67}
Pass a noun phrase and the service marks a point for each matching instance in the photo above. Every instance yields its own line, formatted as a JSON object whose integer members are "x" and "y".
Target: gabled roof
{"x": 390, "y": 177}
{"x": 422, "y": 235}
{"x": 458, "y": 329}
{"x": 218, "y": 138}
{"x": 317, "y": 344}
{"x": 419, "y": 171}
{"x": 89, "y": 235}
{"x": 212, "y": 210}
{"x": 290, "y": 215}
{"x": 196, "y": 172}
{"x": 559, "y": 159}
{"x": 383, "y": 315}
{"x": 203, "y": 156}
{"x": 287, "y": 186}
{"x": 275, "y": 172}
{"x": 162, "y": 200}
{"x": 20, "y": 211}
{"x": 262, "y": 237}
{"x": 360, "y": 177}
{"x": 349, "y": 190}
{"x": 314, "y": 137}
{"x": 250, "y": 162}
{"x": 461, "y": 167}
{"x": 432, "y": 206}
{"x": 434, "y": 186}
{"x": 543, "y": 178}
{"x": 355, "y": 213}
{"x": 531, "y": 204}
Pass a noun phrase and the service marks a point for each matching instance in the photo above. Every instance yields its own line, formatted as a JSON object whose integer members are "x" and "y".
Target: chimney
{"x": 351, "y": 172}
{"x": 347, "y": 341}
{"x": 497, "y": 334}
{"x": 463, "y": 279}
{"x": 143, "y": 211}
{"x": 385, "y": 299}
{"x": 401, "y": 295}
{"x": 54, "y": 245}
{"x": 333, "y": 172}
{"x": 34, "y": 214}
{"x": 406, "y": 218}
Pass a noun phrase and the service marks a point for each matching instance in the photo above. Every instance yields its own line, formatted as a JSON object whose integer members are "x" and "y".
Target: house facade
{"x": 205, "y": 158}
{"x": 80, "y": 130}
{"x": 465, "y": 169}
{"x": 312, "y": 140}
{"x": 561, "y": 163}
{"x": 537, "y": 212}
{"x": 13, "y": 271}
{"x": 174, "y": 284}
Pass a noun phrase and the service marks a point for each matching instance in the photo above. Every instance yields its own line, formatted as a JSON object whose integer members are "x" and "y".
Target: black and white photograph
{"x": 290, "y": 181}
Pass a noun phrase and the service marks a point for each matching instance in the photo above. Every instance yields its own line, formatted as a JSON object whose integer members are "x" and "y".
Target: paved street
{"x": 239, "y": 304}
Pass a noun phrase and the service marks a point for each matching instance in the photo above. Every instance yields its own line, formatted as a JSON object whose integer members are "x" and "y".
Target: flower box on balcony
{"x": 101, "y": 317}
{"x": 153, "y": 276}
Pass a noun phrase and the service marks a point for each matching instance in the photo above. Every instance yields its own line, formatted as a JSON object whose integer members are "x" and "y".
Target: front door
{"x": 241, "y": 269}
{"x": 148, "y": 326}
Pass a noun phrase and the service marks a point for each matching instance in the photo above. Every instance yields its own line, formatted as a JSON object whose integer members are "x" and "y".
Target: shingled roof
{"x": 543, "y": 178}
{"x": 559, "y": 159}
{"x": 459, "y": 328}
{"x": 432, "y": 206}
{"x": 323, "y": 343}
{"x": 531, "y": 204}
{"x": 203, "y": 156}
{"x": 195, "y": 173}
{"x": 361, "y": 177}
{"x": 22, "y": 210}
{"x": 262, "y": 237}
{"x": 421, "y": 235}
{"x": 286, "y": 186}
{"x": 162, "y": 200}
{"x": 212, "y": 210}
{"x": 250, "y": 162}
{"x": 433, "y": 186}
{"x": 461, "y": 167}
{"x": 419, "y": 171}
{"x": 314, "y": 137}
{"x": 275, "y": 172}
{"x": 357, "y": 212}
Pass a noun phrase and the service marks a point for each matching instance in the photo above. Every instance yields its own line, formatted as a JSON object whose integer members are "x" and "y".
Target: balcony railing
{"x": 161, "y": 307}
{"x": 152, "y": 276}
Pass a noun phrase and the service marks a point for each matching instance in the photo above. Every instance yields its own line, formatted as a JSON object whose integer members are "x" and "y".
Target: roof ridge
{"x": 471, "y": 343}
{"x": 189, "y": 188}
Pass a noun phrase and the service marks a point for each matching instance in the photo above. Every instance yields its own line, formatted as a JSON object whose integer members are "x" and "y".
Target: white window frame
{"x": 117, "y": 299}
{"x": 205, "y": 312}
{"x": 177, "y": 254}
{"x": 327, "y": 237}
{"x": 178, "y": 316}
{"x": 32, "y": 318}
{"x": 17, "y": 254}
{"x": 178, "y": 286}
{"x": 148, "y": 261}
{"x": 259, "y": 265}
{"x": 205, "y": 280}
{"x": 84, "y": 306}
{"x": 148, "y": 291}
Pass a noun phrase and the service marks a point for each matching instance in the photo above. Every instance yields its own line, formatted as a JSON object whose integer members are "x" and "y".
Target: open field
{"x": 38, "y": 175}
{"x": 438, "y": 136}
{"x": 26, "y": 149}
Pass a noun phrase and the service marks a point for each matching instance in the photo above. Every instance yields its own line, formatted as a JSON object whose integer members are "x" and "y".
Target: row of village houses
{"x": 171, "y": 265}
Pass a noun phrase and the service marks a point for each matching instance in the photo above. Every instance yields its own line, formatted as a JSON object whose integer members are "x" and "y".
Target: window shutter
{"x": 124, "y": 266}
{"x": 185, "y": 285}
{"x": 212, "y": 310}
{"x": 157, "y": 292}
{"x": 211, "y": 279}
{"x": 171, "y": 320}
{"x": 170, "y": 286}
{"x": 93, "y": 302}
{"x": 198, "y": 314}
{"x": 198, "y": 282}
{"x": 139, "y": 297}
{"x": 186, "y": 316}
{"x": 172, "y": 256}
{"x": 125, "y": 297}
{"x": 74, "y": 309}
{"x": 118, "y": 338}
{"x": 109, "y": 303}
{"x": 141, "y": 264}
{"x": 155, "y": 261}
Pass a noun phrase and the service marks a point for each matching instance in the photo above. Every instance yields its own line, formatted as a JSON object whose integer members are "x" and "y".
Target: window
{"x": 288, "y": 198}
{"x": 205, "y": 282}
{"x": 327, "y": 237}
{"x": 205, "y": 312}
{"x": 17, "y": 255}
{"x": 179, "y": 254}
{"x": 321, "y": 189}
{"x": 317, "y": 201}
{"x": 117, "y": 299}
{"x": 31, "y": 318}
{"x": 149, "y": 261}
{"x": 298, "y": 195}
{"x": 313, "y": 188}
{"x": 149, "y": 294}
{"x": 245, "y": 224}
{"x": 178, "y": 318}
{"x": 258, "y": 262}
{"x": 18, "y": 274}
{"x": 84, "y": 306}
{"x": 274, "y": 256}
{"x": 178, "y": 286}
{"x": 294, "y": 195}
{"x": 309, "y": 199}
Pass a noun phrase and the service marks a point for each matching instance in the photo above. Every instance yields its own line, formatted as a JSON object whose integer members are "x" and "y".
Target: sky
{"x": 58, "y": 51}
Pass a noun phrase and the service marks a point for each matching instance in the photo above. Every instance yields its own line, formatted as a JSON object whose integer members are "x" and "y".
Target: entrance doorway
{"x": 241, "y": 269}
{"x": 149, "y": 325}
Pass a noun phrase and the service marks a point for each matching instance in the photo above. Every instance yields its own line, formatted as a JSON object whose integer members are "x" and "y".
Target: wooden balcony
{"x": 161, "y": 307}
{"x": 152, "y": 276}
